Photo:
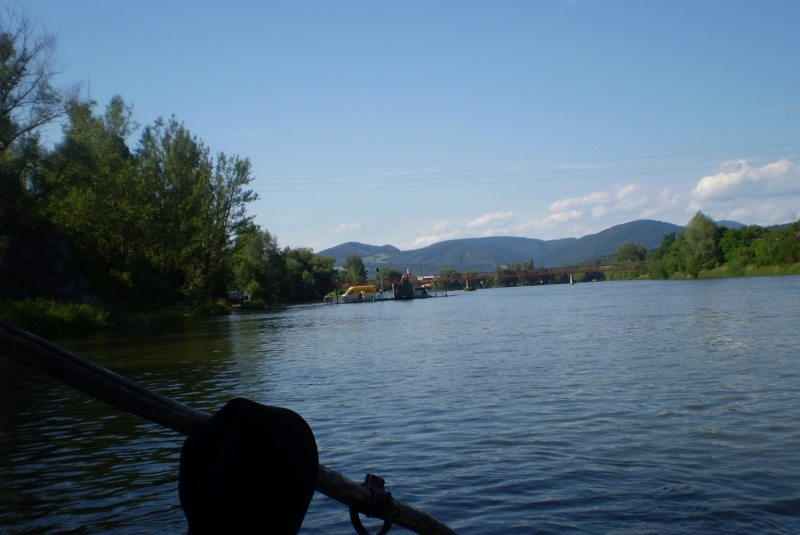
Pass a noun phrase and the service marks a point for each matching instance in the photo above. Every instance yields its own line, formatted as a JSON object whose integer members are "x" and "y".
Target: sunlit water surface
{"x": 626, "y": 407}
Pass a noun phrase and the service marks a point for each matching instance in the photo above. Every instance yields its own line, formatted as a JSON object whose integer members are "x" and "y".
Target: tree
{"x": 699, "y": 245}
{"x": 259, "y": 265}
{"x": 777, "y": 248}
{"x": 737, "y": 247}
{"x": 627, "y": 253}
{"x": 390, "y": 273}
{"x": 101, "y": 210}
{"x": 176, "y": 169}
{"x": 354, "y": 270}
{"x": 309, "y": 276}
{"x": 224, "y": 215}
{"x": 470, "y": 277}
{"x": 524, "y": 268}
{"x": 292, "y": 275}
{"x": 521, "y": 270}
{"x": 664, "y": 261}
{"x": 630, "y": 253}
{"x": 28, "y": 99}
{"x": 28, "y": 102}
{"x": 449, "y": 279}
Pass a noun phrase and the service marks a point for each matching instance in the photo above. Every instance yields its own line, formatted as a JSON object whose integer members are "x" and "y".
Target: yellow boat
{"x": 360, "y": 294}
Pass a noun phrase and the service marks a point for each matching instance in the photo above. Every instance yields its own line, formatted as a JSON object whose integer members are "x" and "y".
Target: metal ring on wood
{"x": 382, "y": 503}
{"x": 124, "y": 394}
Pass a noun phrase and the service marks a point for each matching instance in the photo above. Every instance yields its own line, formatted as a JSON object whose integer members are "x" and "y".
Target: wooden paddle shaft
{"x": 122, "y": 393}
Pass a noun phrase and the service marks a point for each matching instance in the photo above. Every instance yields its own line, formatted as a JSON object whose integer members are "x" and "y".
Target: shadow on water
{"x": 638, "y": 407}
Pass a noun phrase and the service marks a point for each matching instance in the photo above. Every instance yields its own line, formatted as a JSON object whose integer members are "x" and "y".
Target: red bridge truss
{"x": 541, "y": 273}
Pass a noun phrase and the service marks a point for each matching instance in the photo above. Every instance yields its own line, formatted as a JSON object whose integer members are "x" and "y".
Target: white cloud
{"x": 765, "y": 213}
{"x": 627, "y": 191}
{"x": 558, "y": 218}
{"x": 442, "y": 226}
{"x": 440, "y": 232}
{"x": 736, "y": 179}
{"x": 743, "y": 213}
{"x": 671, "y": 200}
{"x": 751, "y": 195}
{"x": 486, "y": 225}
{"x": 344, "y": 227}
{"x": 595, "y": 198}
{"x": 736, "y": 191}
{"x": 774, "y": 213}
{"x": 492, "y": 220}
{"x": 584, "y": 214}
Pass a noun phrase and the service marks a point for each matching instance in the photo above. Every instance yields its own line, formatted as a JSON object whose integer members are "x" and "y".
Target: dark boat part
{"x": 124, "y": 394}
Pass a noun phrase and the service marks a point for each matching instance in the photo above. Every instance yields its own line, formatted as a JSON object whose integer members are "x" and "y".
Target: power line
{"x": 533, "y": 167}
{"x": 588, "y": 171}
{"x": 471, "y": 180}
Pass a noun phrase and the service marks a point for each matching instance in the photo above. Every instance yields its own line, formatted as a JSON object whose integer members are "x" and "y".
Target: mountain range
{"x": 483, "y": 254}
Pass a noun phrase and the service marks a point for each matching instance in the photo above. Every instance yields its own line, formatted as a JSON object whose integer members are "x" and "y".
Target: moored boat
{"x": 361, "y": 294}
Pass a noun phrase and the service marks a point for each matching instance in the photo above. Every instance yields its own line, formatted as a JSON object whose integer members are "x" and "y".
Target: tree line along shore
{"x": 115, "y": 224}
{"x": 704, "y": 250}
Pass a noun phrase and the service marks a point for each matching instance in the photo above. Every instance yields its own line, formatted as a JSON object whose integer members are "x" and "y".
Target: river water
{"x": 615, "y": 407}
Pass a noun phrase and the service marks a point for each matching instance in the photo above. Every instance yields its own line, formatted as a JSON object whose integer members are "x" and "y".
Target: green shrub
{"x": 152, "y": 319}
{"x": 211, "y": 309}
{"x": 256, "y": 293}
{"x": 48, "y": 318}
{"x": 252, "y": 305}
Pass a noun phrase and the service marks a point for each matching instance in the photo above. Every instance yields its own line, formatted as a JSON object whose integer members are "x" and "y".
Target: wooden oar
{"x": 114, "y": 389}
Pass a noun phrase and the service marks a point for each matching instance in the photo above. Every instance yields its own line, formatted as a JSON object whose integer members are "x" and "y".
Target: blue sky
{"x": 410, "y": 122}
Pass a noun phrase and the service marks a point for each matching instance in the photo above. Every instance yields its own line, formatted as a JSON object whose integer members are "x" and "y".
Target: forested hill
{"x": 483, "y": 254}
{"x": 374, "y": 254}
{"x": 643, "y": 231}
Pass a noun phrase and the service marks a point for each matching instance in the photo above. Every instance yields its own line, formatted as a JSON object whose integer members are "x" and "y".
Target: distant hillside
{"x": 645, "y": 231}
{"x": 779, "y": 226}
{"x": 483, "y": 254}
{"x": 480, "y": 254}
{"x": 730, "y": 224}
{"x": 372, "y": 255}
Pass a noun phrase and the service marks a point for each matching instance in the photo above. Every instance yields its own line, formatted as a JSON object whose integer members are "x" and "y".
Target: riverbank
{"x": 725, "y": 271}
{"x": 50, "y": 318}
{"x": 664, "y": 407}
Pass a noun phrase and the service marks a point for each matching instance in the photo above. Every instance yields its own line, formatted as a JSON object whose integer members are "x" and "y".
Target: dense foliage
{"x": 354, "y": 270}
{"x": 704, "y": 246}
{"x": 95, "y": 217}
{"x": 514, "y": 274}
{"x": 147, "y": 226}
{"x": 281, "y": 276}
{"x": 128, "y": 225}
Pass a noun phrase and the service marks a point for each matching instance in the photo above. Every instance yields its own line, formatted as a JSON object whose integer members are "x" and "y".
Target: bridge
{"x": 541, "y": 274}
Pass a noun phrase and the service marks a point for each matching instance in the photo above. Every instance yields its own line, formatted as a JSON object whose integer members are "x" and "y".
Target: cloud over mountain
{"x": 344, "y": 227}
{"x": 738, "y": 179}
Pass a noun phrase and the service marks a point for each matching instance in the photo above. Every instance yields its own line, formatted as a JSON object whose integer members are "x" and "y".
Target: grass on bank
{"x": 726, "y": 271}
{"x": 248, "y": 306}
{"x": 722, "y": 272}
{"x": 46, "y": 317}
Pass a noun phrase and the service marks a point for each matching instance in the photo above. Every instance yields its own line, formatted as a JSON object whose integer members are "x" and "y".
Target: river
{"x": 615, "y": 407}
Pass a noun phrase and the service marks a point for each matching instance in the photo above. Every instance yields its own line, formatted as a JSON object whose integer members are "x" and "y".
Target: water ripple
{"x": 661, "y": 407}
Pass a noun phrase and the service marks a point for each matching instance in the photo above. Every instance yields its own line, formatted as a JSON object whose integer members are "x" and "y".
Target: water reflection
{"x": 664, "y": 407}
